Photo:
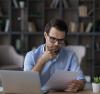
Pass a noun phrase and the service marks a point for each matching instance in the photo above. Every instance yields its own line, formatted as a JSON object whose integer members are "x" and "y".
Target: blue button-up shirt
{"x": 66, "y": 60}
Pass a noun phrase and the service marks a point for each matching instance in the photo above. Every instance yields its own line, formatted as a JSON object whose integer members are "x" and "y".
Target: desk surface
{"x": 87, "y": 90}
{"x": 81, "y": 92}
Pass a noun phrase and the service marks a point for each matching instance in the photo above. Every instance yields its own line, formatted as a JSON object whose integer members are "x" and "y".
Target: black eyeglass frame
{"x": 54, "y": 40}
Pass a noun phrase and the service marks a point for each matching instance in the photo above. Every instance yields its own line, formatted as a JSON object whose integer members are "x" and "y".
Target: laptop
{"x": 20, "y": 82}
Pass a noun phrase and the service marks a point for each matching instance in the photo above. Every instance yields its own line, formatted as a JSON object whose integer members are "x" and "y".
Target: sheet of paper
{"x": 59, "y": 80}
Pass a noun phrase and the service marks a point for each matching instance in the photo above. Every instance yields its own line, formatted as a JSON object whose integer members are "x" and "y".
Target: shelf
{"x": 36, "y": 15}
{"x": 97, "y": 51}
{"x": 41, "y": 33}
{"x": 4, "y": 33}
{"x": 36, "y": 1}
{"x": 97, "y": 67}
{"x": 3, "y": 17}
{"x": 82, "y": 33}
{"x": 87, "y": 1}
{"x": 86, "y": 18}
{"x": 19, "y": 33}
{"x": 57, "y": 9}
{"x": 10, "y": 33}
{"x": 33, "y": 33}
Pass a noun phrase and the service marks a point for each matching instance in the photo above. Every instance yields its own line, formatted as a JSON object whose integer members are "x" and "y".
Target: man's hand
{"x": 43, "y": 59}
{"x": 75, "y": 85}
{"x": 48, "y": 55}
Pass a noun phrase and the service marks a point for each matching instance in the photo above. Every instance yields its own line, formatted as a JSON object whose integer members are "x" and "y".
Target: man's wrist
{"x": 43, "y": 59}
{"x": 82, "y": 84}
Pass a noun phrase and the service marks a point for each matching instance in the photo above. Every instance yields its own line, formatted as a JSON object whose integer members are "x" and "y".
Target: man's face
{"x": 54, "y": 39}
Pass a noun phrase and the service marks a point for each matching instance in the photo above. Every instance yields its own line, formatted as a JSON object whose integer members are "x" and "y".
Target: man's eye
{"x": 61, "y": 40}
{"x": 53, "y": 38}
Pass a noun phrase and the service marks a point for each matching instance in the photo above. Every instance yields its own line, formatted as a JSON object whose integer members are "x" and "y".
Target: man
{"x": 53, "y": 56}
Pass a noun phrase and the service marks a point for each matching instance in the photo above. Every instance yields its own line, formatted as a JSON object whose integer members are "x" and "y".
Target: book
{"x": 56, "y": 3}
{"x": 32, "y": 27}
{"x": 52, "y": 5}
{"x": 89, "y": 26}
{"x": 65, "y": 3}
{"x": 73, "y": 27}
{"x": 83, "y": 11}
{"x": 90, "y": 12}
{"x": 15, "y": 3}
{"x": 7, "y": 25}
{"x": 81, "y": 28}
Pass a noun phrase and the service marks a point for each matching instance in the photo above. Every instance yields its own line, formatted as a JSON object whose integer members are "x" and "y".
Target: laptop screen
{"x": 20, "y": 82}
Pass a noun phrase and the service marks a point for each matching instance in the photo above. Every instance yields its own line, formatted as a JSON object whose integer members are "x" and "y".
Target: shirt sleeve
{"x": 75, "y": 66}
{"x": 29, "y": 61}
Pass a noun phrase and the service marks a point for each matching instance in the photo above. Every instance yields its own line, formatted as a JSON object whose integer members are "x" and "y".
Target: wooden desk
{"x": 81, "y": 92}
{"x": 87, "y": 90}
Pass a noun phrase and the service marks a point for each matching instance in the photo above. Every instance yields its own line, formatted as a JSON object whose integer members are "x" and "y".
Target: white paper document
{"x": 59, "y": 80}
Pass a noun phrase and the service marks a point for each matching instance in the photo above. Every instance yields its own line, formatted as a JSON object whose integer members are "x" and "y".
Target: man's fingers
{"x": 73, "y": 87}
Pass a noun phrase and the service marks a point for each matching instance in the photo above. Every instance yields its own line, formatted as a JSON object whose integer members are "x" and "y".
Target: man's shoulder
{"x": 36, "y": 50}
{"x": 67, "y": 50}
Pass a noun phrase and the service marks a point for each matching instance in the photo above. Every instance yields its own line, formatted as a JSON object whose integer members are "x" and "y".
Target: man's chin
{"x": 57, "y": 51}
{"x": 54, "y": 49}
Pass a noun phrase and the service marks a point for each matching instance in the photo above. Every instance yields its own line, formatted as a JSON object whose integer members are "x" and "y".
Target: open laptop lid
{"x": 20, "y": 82}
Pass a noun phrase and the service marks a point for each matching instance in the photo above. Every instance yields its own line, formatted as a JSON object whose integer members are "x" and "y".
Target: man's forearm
{"x": 82, "y": 82}
{"x": 39, "y": 65}
{"x": 45, "y": 57}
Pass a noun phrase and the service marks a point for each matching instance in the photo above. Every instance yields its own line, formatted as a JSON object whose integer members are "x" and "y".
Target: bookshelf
{"x": 27, "y": 20}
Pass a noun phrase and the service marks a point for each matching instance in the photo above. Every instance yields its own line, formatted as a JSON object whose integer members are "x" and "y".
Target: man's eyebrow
{"x": 57, "y": 38}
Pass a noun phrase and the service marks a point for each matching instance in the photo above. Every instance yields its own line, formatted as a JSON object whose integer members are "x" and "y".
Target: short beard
{"x": 50, "y": 49}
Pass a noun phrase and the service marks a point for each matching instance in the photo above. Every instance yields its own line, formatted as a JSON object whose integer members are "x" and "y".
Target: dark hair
{"x": 58, "y": 24}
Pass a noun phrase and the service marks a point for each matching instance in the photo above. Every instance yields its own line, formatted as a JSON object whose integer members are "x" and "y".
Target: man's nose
{"x": 57, "y": 42}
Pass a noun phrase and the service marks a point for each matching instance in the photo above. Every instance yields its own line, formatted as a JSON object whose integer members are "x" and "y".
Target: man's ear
{"x": 45, "y": 35}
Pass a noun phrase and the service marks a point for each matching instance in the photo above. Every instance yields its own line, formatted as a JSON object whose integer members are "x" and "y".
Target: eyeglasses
{"x": 54, "y": 40}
